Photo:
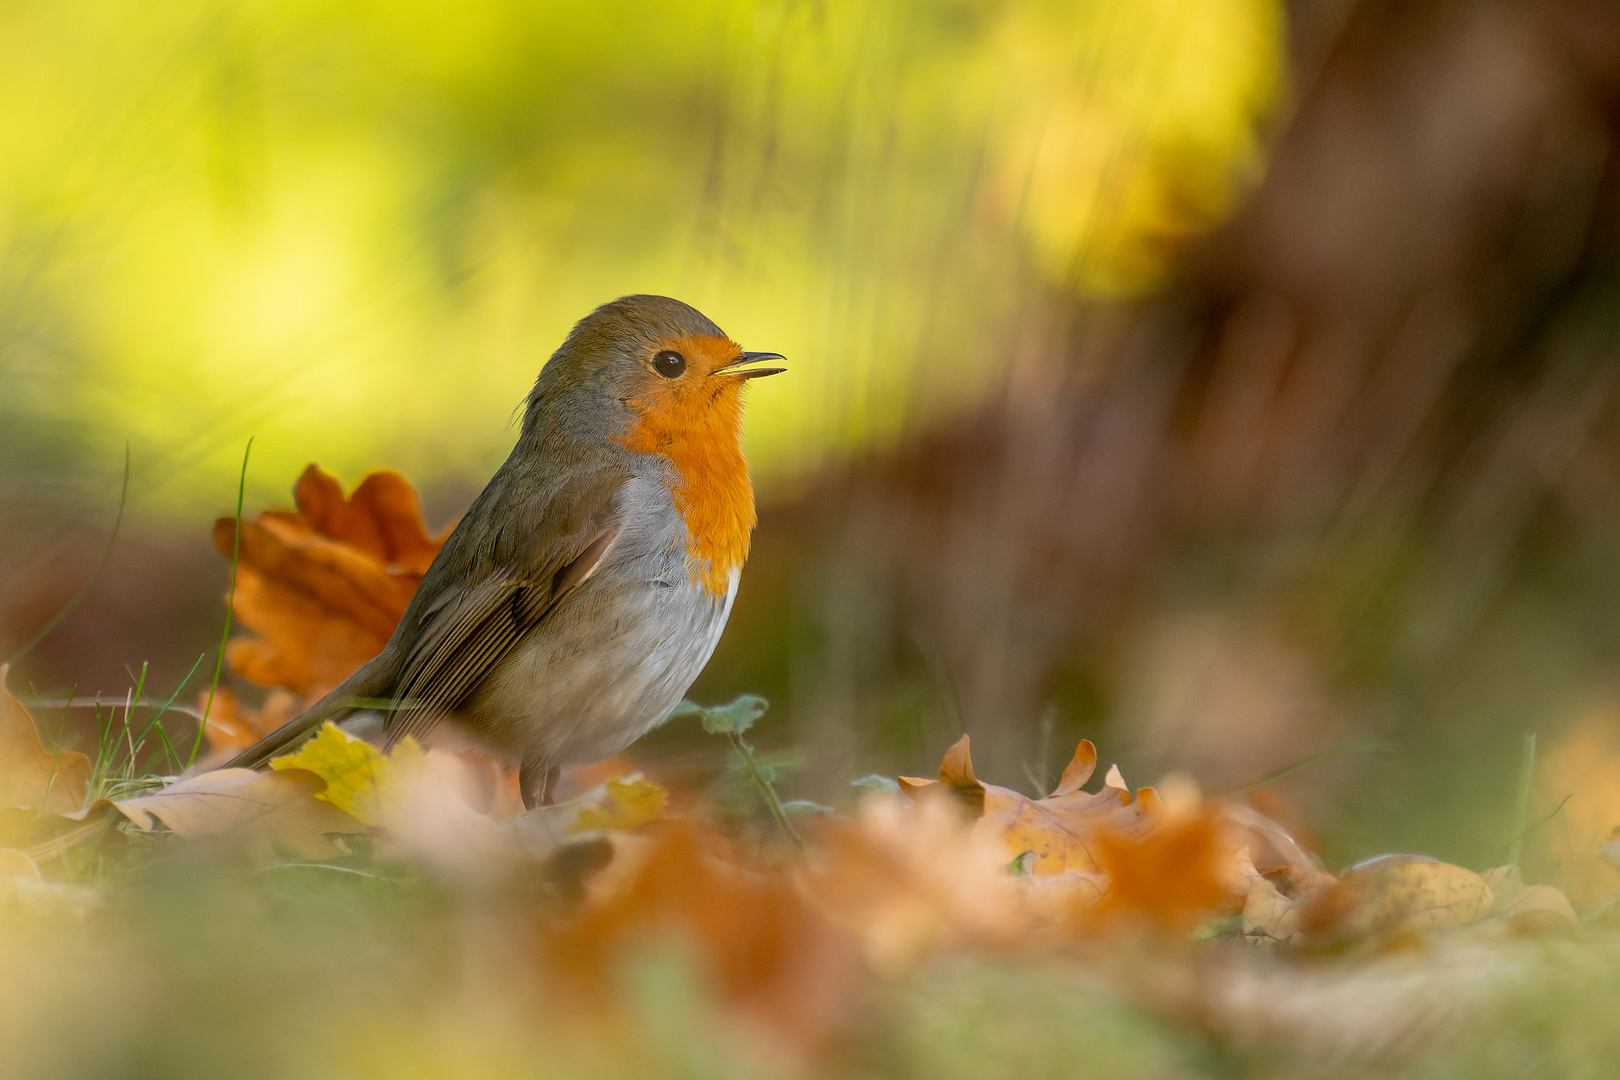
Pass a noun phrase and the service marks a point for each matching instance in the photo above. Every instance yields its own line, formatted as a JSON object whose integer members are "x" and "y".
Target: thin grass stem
{"x": 1521, "y": 815}
{"x": 1316, "y": 759}
{"x": 230, "y": 605}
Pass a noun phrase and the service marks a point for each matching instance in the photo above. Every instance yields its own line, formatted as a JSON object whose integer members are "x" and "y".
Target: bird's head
{"x": 647, "y": 371}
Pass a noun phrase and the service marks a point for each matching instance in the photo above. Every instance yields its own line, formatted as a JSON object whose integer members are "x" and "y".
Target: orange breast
{"x": 697, "y": 427}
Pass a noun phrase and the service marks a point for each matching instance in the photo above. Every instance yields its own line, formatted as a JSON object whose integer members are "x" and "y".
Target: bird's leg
{"x": 536, "y": 779}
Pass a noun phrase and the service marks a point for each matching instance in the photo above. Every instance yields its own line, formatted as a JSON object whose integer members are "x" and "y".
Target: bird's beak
{"x": 735, "y": 370}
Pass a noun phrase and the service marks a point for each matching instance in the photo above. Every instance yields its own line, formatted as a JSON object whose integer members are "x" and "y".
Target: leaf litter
{"x": 1163, "y": 906}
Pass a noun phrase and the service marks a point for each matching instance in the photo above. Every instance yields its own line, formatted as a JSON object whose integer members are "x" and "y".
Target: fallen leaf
{"x": 324, "y": 586}
{"x": 1538, "y": 907}
{"x": 1171, "y": 873}
{"x": 267, "y": 810}
{"x": 787, "y": 976}
{"x": 433, "y": 807}
{"x": 618, "y": 804}
{"x": 1414, "y": 894}
{"x": 360, "y": 780}
{"x": 1505, "y": 883}
{"x": 1167, "y": 861}
{"x": 436, "y": 804}
{"x": 1578, "y": 780}
{"x": 911, "y": 878}
{"x": 956, "y": 774}
{"x": 631, "y": 803}
{"x": 1057, "y": 829}
{"x": 575, "y": 780}
{"x": 31, "y": 778}
{"x": 1268, "y": 913}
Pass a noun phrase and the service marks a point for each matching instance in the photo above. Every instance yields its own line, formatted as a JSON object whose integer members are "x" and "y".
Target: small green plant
{"x": 732, "y": 721}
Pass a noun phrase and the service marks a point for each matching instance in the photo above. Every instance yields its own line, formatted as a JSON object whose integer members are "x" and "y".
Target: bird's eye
{"x": 669, "y": 363}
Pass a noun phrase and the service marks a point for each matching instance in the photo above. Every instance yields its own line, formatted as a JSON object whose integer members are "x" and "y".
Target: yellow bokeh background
{"x": 355, "y": 231}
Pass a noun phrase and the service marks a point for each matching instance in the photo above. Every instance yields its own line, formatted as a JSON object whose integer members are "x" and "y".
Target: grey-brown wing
{"x": 467, "y": 631}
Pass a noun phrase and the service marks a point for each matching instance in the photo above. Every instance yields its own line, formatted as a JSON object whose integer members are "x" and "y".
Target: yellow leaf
{"x": 360, "y": 781}
{"x": 631, "y": 802}
{"x": 30, "y": 777}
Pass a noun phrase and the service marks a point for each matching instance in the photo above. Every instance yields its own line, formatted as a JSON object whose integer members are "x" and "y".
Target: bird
{"x": 588, "y": 584}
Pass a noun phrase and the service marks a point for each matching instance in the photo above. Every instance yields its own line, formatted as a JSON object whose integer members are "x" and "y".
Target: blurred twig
{"x": 139, "y": 703}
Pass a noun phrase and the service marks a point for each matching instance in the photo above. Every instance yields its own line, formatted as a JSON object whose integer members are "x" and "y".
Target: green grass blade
{"x": 1521, "y": 815}
{"x": 230, "y": 606}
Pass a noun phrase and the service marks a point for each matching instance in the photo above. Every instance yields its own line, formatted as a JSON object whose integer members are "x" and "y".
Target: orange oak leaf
{"x": 1170, "y": 862}
{"x": 324, "y": 586}
{"x": 1174, "y": 874}
{"x": 1057, "y": 830}
{"x": 32, "y": 778}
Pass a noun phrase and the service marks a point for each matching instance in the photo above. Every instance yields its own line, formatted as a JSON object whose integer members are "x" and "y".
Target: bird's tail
{"x": 350, "y": 697}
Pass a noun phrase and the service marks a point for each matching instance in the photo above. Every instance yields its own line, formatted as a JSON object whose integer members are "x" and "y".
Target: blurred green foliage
{"x": 358, "y": 229}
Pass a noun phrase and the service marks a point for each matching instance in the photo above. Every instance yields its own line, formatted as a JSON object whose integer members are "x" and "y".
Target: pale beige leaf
{"x": 1409, "y": 893}
{"x": 1542, "y": 899}
{"x": 264, "y": 809}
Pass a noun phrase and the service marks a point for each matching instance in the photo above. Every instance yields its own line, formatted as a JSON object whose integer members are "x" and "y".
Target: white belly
{"x": 602, "y": 668}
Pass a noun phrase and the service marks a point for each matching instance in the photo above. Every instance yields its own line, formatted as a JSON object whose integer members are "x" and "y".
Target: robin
{"x": 587, "y": 586}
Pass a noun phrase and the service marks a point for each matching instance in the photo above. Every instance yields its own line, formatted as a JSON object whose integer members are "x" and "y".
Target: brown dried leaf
{"x": 1268, "y": 912}
{"x": 1169, "y": 861}
{"x": 1172, "y": 873}
{"x": 30, "y": 777}
{"x": 1057, "y": 829}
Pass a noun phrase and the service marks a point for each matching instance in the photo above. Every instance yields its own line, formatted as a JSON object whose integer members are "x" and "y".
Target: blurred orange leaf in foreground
{"x": 787, "y": 974}
{"x": 1578, "y": 780}
{"x": 32, "y": 778}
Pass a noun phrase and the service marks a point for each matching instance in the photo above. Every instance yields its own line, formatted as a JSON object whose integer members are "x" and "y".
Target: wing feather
{"x": 464, "y": 636}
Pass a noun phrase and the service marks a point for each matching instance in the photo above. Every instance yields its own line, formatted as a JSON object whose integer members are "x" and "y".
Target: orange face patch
{"x": 695, "y": 421}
